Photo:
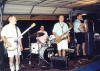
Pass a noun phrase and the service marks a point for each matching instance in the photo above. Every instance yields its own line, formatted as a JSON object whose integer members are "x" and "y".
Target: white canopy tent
{"x": 44, "y": 7}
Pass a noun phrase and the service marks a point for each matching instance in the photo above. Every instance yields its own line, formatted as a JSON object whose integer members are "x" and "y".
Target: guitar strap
{"x": 16, "y": 33}
{"x": 17, "y": 39}
{"x": 17, "y": 46}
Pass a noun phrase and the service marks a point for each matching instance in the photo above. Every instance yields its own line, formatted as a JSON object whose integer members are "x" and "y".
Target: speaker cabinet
{"x": 59, "y": 62}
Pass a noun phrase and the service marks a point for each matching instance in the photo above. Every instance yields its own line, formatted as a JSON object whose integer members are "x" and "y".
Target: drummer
{"x": 42, "y": 36}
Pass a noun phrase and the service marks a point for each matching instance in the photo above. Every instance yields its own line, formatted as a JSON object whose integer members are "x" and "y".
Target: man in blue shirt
{"x": 79, "y": 34}
{"x": 59, "y": 29}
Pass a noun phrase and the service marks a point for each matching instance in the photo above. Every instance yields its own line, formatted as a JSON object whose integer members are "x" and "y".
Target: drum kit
{"x": 46, "y": 50}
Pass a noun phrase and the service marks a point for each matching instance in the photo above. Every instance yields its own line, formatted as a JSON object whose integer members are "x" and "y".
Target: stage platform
{"x": 74, "y": 64}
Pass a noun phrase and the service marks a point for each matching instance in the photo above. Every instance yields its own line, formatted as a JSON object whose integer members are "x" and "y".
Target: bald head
{"x": 12, "y": 19}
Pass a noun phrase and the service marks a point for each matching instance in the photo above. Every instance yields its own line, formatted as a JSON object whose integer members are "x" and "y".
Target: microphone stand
{"x": 29, "y": 48}
{"x": 30, "y": 54}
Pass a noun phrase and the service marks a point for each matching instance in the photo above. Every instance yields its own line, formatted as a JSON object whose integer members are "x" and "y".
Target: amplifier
{"x": 59, "y": 62}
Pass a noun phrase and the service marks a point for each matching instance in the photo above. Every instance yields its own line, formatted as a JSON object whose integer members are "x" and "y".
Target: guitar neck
{"x": 26, "y": 31}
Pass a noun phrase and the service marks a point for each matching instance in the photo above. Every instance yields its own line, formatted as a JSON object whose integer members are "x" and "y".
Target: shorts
{"x": 80, "y": 37}
{"x": 13, "y": 53}
{"x": 63, "y": 45}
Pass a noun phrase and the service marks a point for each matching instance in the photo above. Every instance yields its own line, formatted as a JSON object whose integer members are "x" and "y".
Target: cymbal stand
{"x": 39, "y": 57}
{"x": 30, "y": 48}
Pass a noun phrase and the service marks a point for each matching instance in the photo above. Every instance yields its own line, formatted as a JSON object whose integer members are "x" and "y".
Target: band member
{"x": 59, "y": 29}
{"x": 79, "y": 33}
{"x": 42, "y": 35}
{"x": 9, "y": 35}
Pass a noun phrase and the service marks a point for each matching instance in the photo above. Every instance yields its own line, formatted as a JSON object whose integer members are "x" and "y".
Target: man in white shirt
{"x": 42, "y": 39}
{"x": 9, "y": 34}
{"x": 59, "y": 29}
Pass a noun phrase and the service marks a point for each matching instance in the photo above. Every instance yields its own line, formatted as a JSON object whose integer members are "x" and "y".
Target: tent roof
{"x": 46, "y": 7}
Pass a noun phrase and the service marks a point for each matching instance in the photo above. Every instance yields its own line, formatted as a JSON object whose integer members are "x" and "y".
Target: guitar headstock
{"x": 33, "y": 25}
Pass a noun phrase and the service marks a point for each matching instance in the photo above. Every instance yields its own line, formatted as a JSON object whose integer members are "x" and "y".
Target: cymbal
{"x": 40, "y": 34}
{"x": 37, "y": 34}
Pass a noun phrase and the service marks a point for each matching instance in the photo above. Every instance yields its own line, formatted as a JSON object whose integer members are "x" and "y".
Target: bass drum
{"x": 34, "y": 48}
{"x": 47, "y": 52}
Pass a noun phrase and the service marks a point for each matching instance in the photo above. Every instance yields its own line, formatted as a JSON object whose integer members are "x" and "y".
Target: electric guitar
{"x": 15, "y": 41}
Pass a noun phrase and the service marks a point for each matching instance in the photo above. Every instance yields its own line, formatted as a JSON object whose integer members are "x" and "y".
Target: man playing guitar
{"x": 9, "y": 34}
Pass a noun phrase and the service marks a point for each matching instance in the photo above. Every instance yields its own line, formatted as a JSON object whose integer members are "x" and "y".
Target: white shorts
{"x": 63, "y": 45}
{"x": 13, "y": 53}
